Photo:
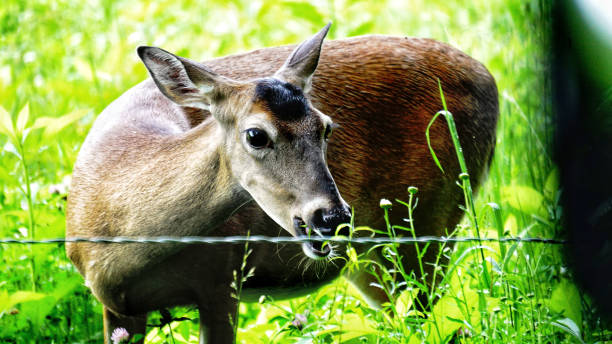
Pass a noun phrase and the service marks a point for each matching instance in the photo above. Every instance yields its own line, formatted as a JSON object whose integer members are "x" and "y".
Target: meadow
{"x": 62, "y": 62}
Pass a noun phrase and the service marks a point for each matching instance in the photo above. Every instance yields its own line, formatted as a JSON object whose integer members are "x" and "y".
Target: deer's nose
{"x": 326, "y": 221}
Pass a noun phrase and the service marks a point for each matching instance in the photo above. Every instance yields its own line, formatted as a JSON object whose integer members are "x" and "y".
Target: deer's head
{"x": 273, "y": 140}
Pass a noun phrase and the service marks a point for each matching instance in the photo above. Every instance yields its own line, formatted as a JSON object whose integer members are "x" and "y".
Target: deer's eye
{"x": 258, "y": 138}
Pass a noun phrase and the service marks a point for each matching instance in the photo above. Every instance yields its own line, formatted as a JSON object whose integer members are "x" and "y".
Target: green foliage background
{"x": 62, "y": 62}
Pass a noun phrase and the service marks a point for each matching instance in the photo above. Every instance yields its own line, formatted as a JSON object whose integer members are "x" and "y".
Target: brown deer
{"x": 186, "y": 152}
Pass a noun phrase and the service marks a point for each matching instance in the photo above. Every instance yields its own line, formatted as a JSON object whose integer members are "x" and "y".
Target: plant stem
{"x": 412, "y": 191}
{"x": 465, "y": 180}
{"x": 28, "y": 194}
{"x": 239, "y": 282}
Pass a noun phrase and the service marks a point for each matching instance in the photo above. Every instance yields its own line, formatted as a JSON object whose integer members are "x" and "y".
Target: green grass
{"x": 67, "y": 60}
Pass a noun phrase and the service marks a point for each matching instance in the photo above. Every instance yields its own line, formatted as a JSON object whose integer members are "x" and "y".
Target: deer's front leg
{"x": 217, "y": 319}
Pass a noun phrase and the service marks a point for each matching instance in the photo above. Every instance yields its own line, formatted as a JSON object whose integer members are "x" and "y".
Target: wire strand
{"x": 273, "y": 240}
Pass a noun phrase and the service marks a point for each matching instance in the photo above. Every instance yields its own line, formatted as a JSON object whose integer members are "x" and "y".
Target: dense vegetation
{"x": 63, "y": 61}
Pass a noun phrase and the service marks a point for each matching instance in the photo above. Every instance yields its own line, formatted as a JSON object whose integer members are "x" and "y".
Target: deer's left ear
{"x": 302, "y": 63}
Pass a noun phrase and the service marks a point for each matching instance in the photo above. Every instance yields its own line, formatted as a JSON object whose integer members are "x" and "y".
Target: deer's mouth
{"x": 312, "y": 249}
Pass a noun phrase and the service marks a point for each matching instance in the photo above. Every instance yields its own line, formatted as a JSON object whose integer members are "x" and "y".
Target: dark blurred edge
{"x": 582, "y": 91}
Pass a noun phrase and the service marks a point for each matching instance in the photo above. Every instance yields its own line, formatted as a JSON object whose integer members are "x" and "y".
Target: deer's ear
{"x": 302, "y": 63}
{"x": 183, "y": 81}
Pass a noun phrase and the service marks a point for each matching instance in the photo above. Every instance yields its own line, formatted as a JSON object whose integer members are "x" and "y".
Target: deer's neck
{"x": 191, "y": 189}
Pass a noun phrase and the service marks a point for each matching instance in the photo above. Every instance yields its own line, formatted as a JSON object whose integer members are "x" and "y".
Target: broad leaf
{"x": 7, "y": 301}
{"x": 570, "y": 327}
{"x": 53, "y": 125}
{"x": 565, "y": 299}
{"x": 6, "y": 123}
{"x": 354, "y": 326}
{"x": 22, "y": 119}
{"x": 305, "y": 10}
{"x": 551, "y": 186}
{"x": 524, "y": 198}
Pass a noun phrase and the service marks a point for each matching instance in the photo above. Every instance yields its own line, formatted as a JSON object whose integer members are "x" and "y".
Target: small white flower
{"x": 120, "y": 335}
{"x": 385, "y": 203}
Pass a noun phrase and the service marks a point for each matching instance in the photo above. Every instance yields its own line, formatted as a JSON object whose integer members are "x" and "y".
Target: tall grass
{"x": 67, "y": 60}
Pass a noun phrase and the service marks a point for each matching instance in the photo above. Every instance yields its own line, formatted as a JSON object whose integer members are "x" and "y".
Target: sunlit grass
{"x": 68, "y": 59}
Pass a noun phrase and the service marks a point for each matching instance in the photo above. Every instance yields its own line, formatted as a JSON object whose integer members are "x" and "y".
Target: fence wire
{"x": 275, "y": 240}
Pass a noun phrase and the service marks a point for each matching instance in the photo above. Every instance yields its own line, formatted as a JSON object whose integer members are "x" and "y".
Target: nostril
{"x": 327, "y": 221}
{"x": 319, "y": 220}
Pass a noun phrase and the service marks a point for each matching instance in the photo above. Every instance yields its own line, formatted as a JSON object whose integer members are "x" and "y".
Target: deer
{"x": 243, "y": 144}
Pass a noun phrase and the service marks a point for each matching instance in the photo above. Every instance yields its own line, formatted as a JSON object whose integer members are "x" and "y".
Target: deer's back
{"x": 383, "y": 91}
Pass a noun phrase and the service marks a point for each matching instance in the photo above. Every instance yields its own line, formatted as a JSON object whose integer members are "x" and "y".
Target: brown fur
{"x": 381, "y": 90}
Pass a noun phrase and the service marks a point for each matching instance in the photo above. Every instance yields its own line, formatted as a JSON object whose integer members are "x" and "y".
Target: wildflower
{"x": 463, "y": 332}
{"x": 300, "y": 320}
{"x": 120, "y": 335}
{"x": 385, "y": 203}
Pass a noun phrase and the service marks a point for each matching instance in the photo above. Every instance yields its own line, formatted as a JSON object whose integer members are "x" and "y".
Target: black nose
{"x": 326, "y": 221}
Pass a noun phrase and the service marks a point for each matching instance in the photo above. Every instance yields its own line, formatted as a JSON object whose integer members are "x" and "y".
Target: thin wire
{"x": 273, "y": 240}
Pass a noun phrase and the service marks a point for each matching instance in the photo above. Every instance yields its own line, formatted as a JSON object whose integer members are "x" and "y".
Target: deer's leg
{"x": 362, "y": 280}
{"x": 217, "y": 320}
{"x": 133, "y": 325}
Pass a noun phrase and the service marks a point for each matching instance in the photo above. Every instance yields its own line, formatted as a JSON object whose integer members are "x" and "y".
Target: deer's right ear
{"x": 183, "y": 81}
{"x": 301, "y": 64}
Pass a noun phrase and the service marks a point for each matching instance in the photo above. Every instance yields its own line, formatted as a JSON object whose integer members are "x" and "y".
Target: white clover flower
{"x": 120, "y": 335}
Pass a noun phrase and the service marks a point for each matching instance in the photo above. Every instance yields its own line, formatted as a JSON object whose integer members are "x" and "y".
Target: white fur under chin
{"x": 308, "y": 252}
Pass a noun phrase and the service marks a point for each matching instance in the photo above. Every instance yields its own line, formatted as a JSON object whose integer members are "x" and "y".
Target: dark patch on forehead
{"x": 286, "y": 101}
